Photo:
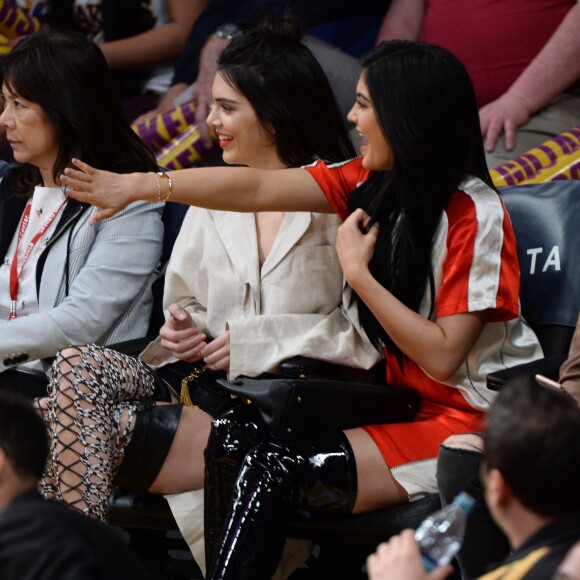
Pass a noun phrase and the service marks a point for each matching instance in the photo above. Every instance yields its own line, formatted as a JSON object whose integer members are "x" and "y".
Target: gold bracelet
{"x": 158, "y": 187}
{"x": 169, "y": 182}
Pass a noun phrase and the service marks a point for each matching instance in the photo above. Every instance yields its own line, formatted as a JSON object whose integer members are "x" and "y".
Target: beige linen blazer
{"x": 295, "y": 304}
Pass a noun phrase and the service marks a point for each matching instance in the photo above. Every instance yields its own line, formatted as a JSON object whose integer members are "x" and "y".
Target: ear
{"x": 497, "y": 489}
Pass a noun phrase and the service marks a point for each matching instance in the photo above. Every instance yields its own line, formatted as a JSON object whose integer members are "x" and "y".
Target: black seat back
{"x": 546, "y": 221}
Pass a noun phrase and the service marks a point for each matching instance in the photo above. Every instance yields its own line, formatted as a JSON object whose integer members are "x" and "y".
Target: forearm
{"x": 43, "y": 334}
{"x": 402, "y": 21}
{"x": 213, "y": 188}
{"x": 555, "y": 68}
{"x": 167, "y": 102}
{"x": 218, "y": 12}
{"x": 160, "y": 44}
{"x": 223, "y": 188}
{"x": 439, "y": 347}
{"x": 156, "y": 46}
{"x": 29, "y": 338}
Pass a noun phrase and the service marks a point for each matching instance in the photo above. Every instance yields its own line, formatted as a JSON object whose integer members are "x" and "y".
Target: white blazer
{"x": 294, "y": 305}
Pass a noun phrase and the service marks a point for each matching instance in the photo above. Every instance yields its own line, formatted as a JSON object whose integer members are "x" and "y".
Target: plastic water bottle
{"x": 441, "y": 534}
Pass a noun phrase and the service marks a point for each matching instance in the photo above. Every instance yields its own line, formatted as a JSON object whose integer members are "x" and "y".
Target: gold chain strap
{"x": 185, "y": 397}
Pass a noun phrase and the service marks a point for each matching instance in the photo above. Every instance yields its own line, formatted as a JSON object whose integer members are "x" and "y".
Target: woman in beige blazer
{"x": 243, "y": 292}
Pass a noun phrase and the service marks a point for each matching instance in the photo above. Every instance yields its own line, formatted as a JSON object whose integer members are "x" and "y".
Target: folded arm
{"x": 158, "y": 45}
{"x": 402, "y": 21}
{"x": 554, "y": 69}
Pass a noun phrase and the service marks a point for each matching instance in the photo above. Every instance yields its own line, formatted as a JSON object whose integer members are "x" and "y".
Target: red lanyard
{"x": 14, "y": 272}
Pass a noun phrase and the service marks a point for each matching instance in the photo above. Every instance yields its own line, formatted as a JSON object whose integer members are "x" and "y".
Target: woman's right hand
{"x": 180, "y": 336}
{"x": 355, "y": 246}
{"x": 110, "y": 192}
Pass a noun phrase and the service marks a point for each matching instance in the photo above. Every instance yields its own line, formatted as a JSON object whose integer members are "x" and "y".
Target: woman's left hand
{"x": 216, "y": 354}
{"x": 355, "y": 247}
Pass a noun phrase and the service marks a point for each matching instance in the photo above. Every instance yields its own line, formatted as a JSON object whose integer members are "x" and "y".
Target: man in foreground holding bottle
{"x": 531, "y": 476}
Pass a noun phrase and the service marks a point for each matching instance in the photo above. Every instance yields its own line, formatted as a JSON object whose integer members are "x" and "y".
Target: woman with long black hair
{"x": 429, "y": 250}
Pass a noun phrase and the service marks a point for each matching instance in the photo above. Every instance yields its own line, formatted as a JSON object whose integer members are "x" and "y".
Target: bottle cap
{"x": 464, "y": 501}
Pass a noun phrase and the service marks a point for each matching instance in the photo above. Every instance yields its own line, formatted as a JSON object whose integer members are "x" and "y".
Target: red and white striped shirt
{"x": 475, "y": 268}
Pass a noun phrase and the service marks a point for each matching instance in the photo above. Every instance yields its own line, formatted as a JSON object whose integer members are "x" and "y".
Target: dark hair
{"x": 425, "y": 106}
{"x": 23, "y": 436}
{"x": 532, "y": 436}
{"x": 289, "y": 92}
{"x": 67, "y": 75}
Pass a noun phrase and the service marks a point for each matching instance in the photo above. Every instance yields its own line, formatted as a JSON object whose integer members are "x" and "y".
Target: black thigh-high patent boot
{"x": 315, "y": 470}
{"x": 484, "y": 543}
{"x": 232, "y": 436}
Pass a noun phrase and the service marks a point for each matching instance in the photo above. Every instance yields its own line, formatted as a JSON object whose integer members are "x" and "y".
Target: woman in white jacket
{"x": 61, "y": 281}
{"x": 263, "y": 286}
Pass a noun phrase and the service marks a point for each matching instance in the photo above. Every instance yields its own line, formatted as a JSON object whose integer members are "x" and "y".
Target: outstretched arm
{"x": 554, "y": 69}
{"x": 224, "y": 188}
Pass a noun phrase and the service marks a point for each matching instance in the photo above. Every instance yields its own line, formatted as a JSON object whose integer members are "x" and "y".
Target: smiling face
{"x": 377, "y": 153}
{"x": 29, "y": 133}
{"x": 241, "y": 136}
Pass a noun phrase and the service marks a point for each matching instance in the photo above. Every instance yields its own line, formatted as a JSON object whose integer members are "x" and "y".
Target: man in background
{"x": 41, "y": 539}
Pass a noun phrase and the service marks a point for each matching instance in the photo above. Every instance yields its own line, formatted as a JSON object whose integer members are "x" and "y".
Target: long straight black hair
{"x": 67, "y": 75}
{"x": 289, "y": 93}
{"x": 425, "y": 106}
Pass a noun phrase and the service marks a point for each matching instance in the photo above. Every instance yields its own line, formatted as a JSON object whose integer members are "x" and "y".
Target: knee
{"x": 73, "y": 374}
{"x": 67, "y": 359}
{"x": 234, "y": 433}
{"x": 270, "y": 466}
{"x": 467, "y": 441}
{"x": 458, "y": 465}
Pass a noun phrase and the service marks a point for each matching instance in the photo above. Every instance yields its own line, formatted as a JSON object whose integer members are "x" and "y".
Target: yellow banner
{"x": 15, "y": 22}
{"x": 557, "y": 158}
{"x": 183, "y": 151}
{"x": 158, "y": 131}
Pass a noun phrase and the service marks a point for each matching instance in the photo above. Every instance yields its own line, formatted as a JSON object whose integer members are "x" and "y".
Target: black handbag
{"x": 293, "y": 404}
